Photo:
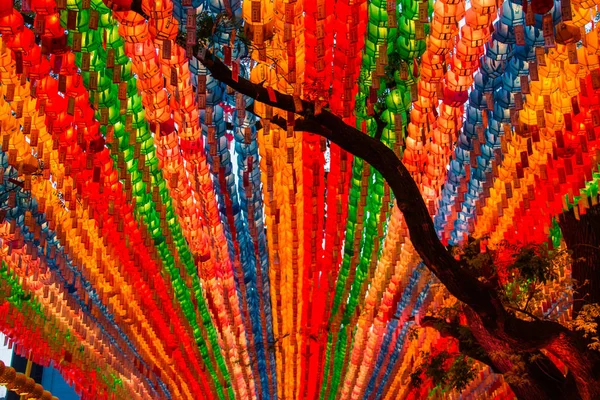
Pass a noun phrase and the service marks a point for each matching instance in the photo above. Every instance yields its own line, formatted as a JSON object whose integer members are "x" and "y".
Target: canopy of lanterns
{"x": 161, "y": 238}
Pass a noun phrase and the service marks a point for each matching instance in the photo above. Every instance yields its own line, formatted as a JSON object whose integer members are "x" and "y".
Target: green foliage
{"x": 392, "y": 66}
{"x": 516, "y": 376}
{"x": 207, "y": 24}
{"x": 447, "y": 370}
{"x": 534, "y": 263}
{"x": 413, "y": 333}
{"x": 479, "y": 263}
{"x": 587, "y": 322}
{"x": 415, "y": 378}
{"x": 447, "y": 312}
{"x": 519, "y": 273}
{"x": 461, "y": 373}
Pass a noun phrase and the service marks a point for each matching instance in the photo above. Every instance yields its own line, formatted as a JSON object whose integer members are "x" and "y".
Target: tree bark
{"x": 582, "y": 237}
{"x": 541, "y": 378}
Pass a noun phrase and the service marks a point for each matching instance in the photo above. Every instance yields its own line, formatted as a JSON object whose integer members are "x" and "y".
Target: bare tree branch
{"x": 459, "y": 282}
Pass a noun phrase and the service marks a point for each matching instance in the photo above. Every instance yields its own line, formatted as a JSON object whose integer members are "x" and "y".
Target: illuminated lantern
{"x": 43, "y": 7}
{"x": 67, "y": 66}
{"x": 528, "y": 116}
{"x": 465, "y": 68}
{"x": 484, "y": 6}
{"x": 476, "y": 20}
{"x": 446, "y": 125}
{"x": 258, "y": 17}
{"x": 491, "y": 68}
{"x": 467, "y": 52}
{"x": 142, "y": 51}
{"x": 569, "y": 85}
{"x": 133, "y": 27}
{"x": 192, "y": 148}
{"x": 158, "y": 9}
{"x": 535, "y": 102}
{"x": 543, "y": 86}
{"x": 497, "y": 50}
{"x": 589, "y": 60}
{"x": 447, "y": 13}
{"x": 458, "y": 83}
{"x": 554, "y": 121}
{"x": 501, "y": 113}
{"x": 11, "y": 23}
{"x": 428, "y": 89}
{"x": 21, "y": 41}
{"x": 582, "y": 15}
{"x": 177, "y": 59}
{"x": 52, "y": 25}
{"x": 46, "y": 87}
{"x": 164, "y": 28}
{"x": 434, "y": 45}
{"x": 153, "y": 84}
{"x": 592, "y": 41}
{"x": 81, "y": 21}
{"x": 6, "y": 63}
{"x": 576, "y": 70}
{"x": 407, "y": 26}
{"x": 559, "y": 53}
{"x": 476, "y": 37}
{"x": 512, "y": 14}
{"x": 157, "y": 108}
{"x": 442, "y": 31}
{"x": 32, "y": 57}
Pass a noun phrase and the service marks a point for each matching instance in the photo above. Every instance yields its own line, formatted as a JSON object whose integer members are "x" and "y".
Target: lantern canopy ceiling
{"x": 166, "y": 235}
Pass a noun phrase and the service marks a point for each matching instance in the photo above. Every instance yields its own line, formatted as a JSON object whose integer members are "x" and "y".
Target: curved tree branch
{"x": 464, "y": 286}
{"x": 539, "y": 370}
{"x": 408, "y": 196}
{"x": 459, "y": 282}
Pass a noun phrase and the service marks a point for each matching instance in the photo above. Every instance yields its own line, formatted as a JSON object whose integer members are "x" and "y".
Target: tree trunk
{"x": 531, "y": 375}
{"x": 582, "y": 362}
{"x": 537, "y": 376}
{"x": 583, "y": 239}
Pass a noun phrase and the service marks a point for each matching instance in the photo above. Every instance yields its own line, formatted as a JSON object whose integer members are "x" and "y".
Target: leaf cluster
{"x": 207, "y": 24}
{"x": 392, "y": 66}
{"x": 517, "y": 375}
{"x": 587, "y": 322}
{"x": 534, "y": 263}
{"x": 450, "y": 371}
{"x": 518, "y": 272}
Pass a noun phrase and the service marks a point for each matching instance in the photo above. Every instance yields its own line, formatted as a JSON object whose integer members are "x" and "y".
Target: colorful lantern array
{"x": 164, "y": 236}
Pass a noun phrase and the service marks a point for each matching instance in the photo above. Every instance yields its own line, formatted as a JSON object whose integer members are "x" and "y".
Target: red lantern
{"x": 11, "y": 23}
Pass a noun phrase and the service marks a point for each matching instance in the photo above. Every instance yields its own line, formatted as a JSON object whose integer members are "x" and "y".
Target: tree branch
{"x": 459, "y": 282}
{"x": 465, "y": 287}
{"x": 525, "y": 312}
{"x": 408, "y": 196}
{"x": 538, "y": 368}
